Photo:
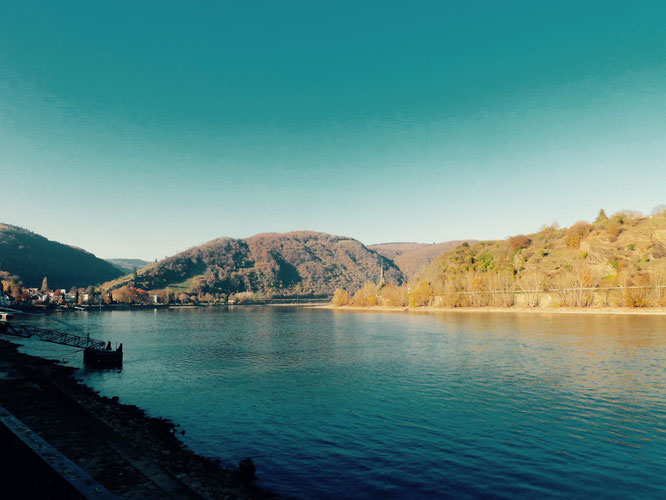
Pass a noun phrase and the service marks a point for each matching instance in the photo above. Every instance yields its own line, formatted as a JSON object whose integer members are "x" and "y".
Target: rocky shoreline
{"x": 129, "y": 453}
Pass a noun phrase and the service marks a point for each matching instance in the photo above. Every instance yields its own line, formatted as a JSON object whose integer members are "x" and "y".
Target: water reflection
{"x": 405, "y": 405}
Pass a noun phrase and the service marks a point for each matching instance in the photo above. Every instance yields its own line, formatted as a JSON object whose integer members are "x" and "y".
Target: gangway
{"x": 53, "y": 336}
{"x": 96, "y": 352}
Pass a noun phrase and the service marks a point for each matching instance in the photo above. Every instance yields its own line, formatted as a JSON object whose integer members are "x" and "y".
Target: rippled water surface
{"x": 361, "y": 404}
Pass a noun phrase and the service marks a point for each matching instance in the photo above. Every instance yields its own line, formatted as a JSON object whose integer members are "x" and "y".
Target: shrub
{"x": 614, "y": 228}
{"x": 519, "y": 241}
{"x": 629, "y": 216}
{"x": 576, "y": 233}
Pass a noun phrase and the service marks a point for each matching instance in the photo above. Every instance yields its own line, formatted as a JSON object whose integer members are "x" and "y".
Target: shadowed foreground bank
{"x": 129, "y": 453}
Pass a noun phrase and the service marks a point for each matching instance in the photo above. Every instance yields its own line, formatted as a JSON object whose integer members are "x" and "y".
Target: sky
{"x": 139, "y": 129}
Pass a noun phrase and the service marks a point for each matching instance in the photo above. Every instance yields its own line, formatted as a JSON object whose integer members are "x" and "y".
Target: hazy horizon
{"x": 139, "y": 130}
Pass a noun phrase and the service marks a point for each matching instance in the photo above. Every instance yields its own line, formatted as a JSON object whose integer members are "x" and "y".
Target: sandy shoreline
{"x": 652, "y": 311}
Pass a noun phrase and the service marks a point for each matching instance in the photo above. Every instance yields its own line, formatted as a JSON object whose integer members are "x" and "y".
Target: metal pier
{"x": 52, "y": 336}
{"x": 96, "y": 353}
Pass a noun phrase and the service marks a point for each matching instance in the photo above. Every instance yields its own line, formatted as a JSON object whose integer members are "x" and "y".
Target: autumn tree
{"x": 519, "y": 241}
{"x": 614, "y": 228}
{"x": 45, "y": 285}
{"x": 392, "y": 295}
{"x": 531, "y": 285}
{"x": 366, "y": 296}
{"x": 421, "y": 295}
{"x": 576, "y": 233}
{"x": 583, "y": 277}
{"x": 341, "y": 297}
{"x": 628, "y": 216}
{"x": 131, "y": 295}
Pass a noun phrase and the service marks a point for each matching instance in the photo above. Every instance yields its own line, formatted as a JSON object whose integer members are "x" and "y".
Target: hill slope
{"x": 624, "y": 252}
{"x": 300, "y": 263}
{"x": 614, "y": 262}
{"x": 413, "y": 258}
{"x": 33, "y": 257}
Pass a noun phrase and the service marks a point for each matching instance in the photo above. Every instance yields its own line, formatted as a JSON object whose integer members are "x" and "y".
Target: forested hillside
{"x": 613, "y": 261}
{"x": 296, "y": 264}
{"x": 32, "y": 257}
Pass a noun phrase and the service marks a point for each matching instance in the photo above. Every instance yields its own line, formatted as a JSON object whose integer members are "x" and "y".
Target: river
{"x": 368, "y": 404}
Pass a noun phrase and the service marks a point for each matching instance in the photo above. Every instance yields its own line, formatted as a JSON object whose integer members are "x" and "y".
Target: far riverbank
{"x": 653, "y": 311}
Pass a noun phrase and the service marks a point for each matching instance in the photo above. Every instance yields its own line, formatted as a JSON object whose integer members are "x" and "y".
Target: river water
{"x": 336, "y": 404}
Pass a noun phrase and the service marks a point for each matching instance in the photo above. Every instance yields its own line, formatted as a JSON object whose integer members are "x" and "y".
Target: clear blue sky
{"x": 137, "y": 129}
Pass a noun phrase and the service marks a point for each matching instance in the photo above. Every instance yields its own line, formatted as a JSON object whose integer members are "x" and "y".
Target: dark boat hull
{"x": 97, "y": 358}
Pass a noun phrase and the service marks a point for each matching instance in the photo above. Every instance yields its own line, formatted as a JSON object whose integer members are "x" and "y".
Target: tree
{"x": 366, "y": 296}
{"x": 601, "y": 217}
{"x": 136, "y": 276}
{"x": 45, "y": 285}
{"x": 659, "y": 209}
{"x": 613, "y": 228}
{"x": 341, "y": 298}
{"x": 576, "y": 233}
{"x": 421, "y": 295}
{"x": 531, "y": 285}
{"x": 519, "y": 241}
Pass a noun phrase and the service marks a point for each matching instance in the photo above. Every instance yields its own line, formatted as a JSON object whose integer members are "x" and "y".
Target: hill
{"x": 625, "y": 255}
{"x": 614, "y": 261}
{"x": 32, "y": 257}
{"x": 127, "y": 265}
{"x": 296, "y": 264}
{"x": 413, "y": 258}
{"x": 393, "y": 250}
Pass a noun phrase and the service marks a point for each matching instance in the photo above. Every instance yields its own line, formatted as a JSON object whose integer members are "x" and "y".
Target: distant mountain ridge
{"x": 32, "y": 257}
{"x": 128, "y": 265}
{"x": 295, "y": 264}
{"x": 413, "y": 258}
